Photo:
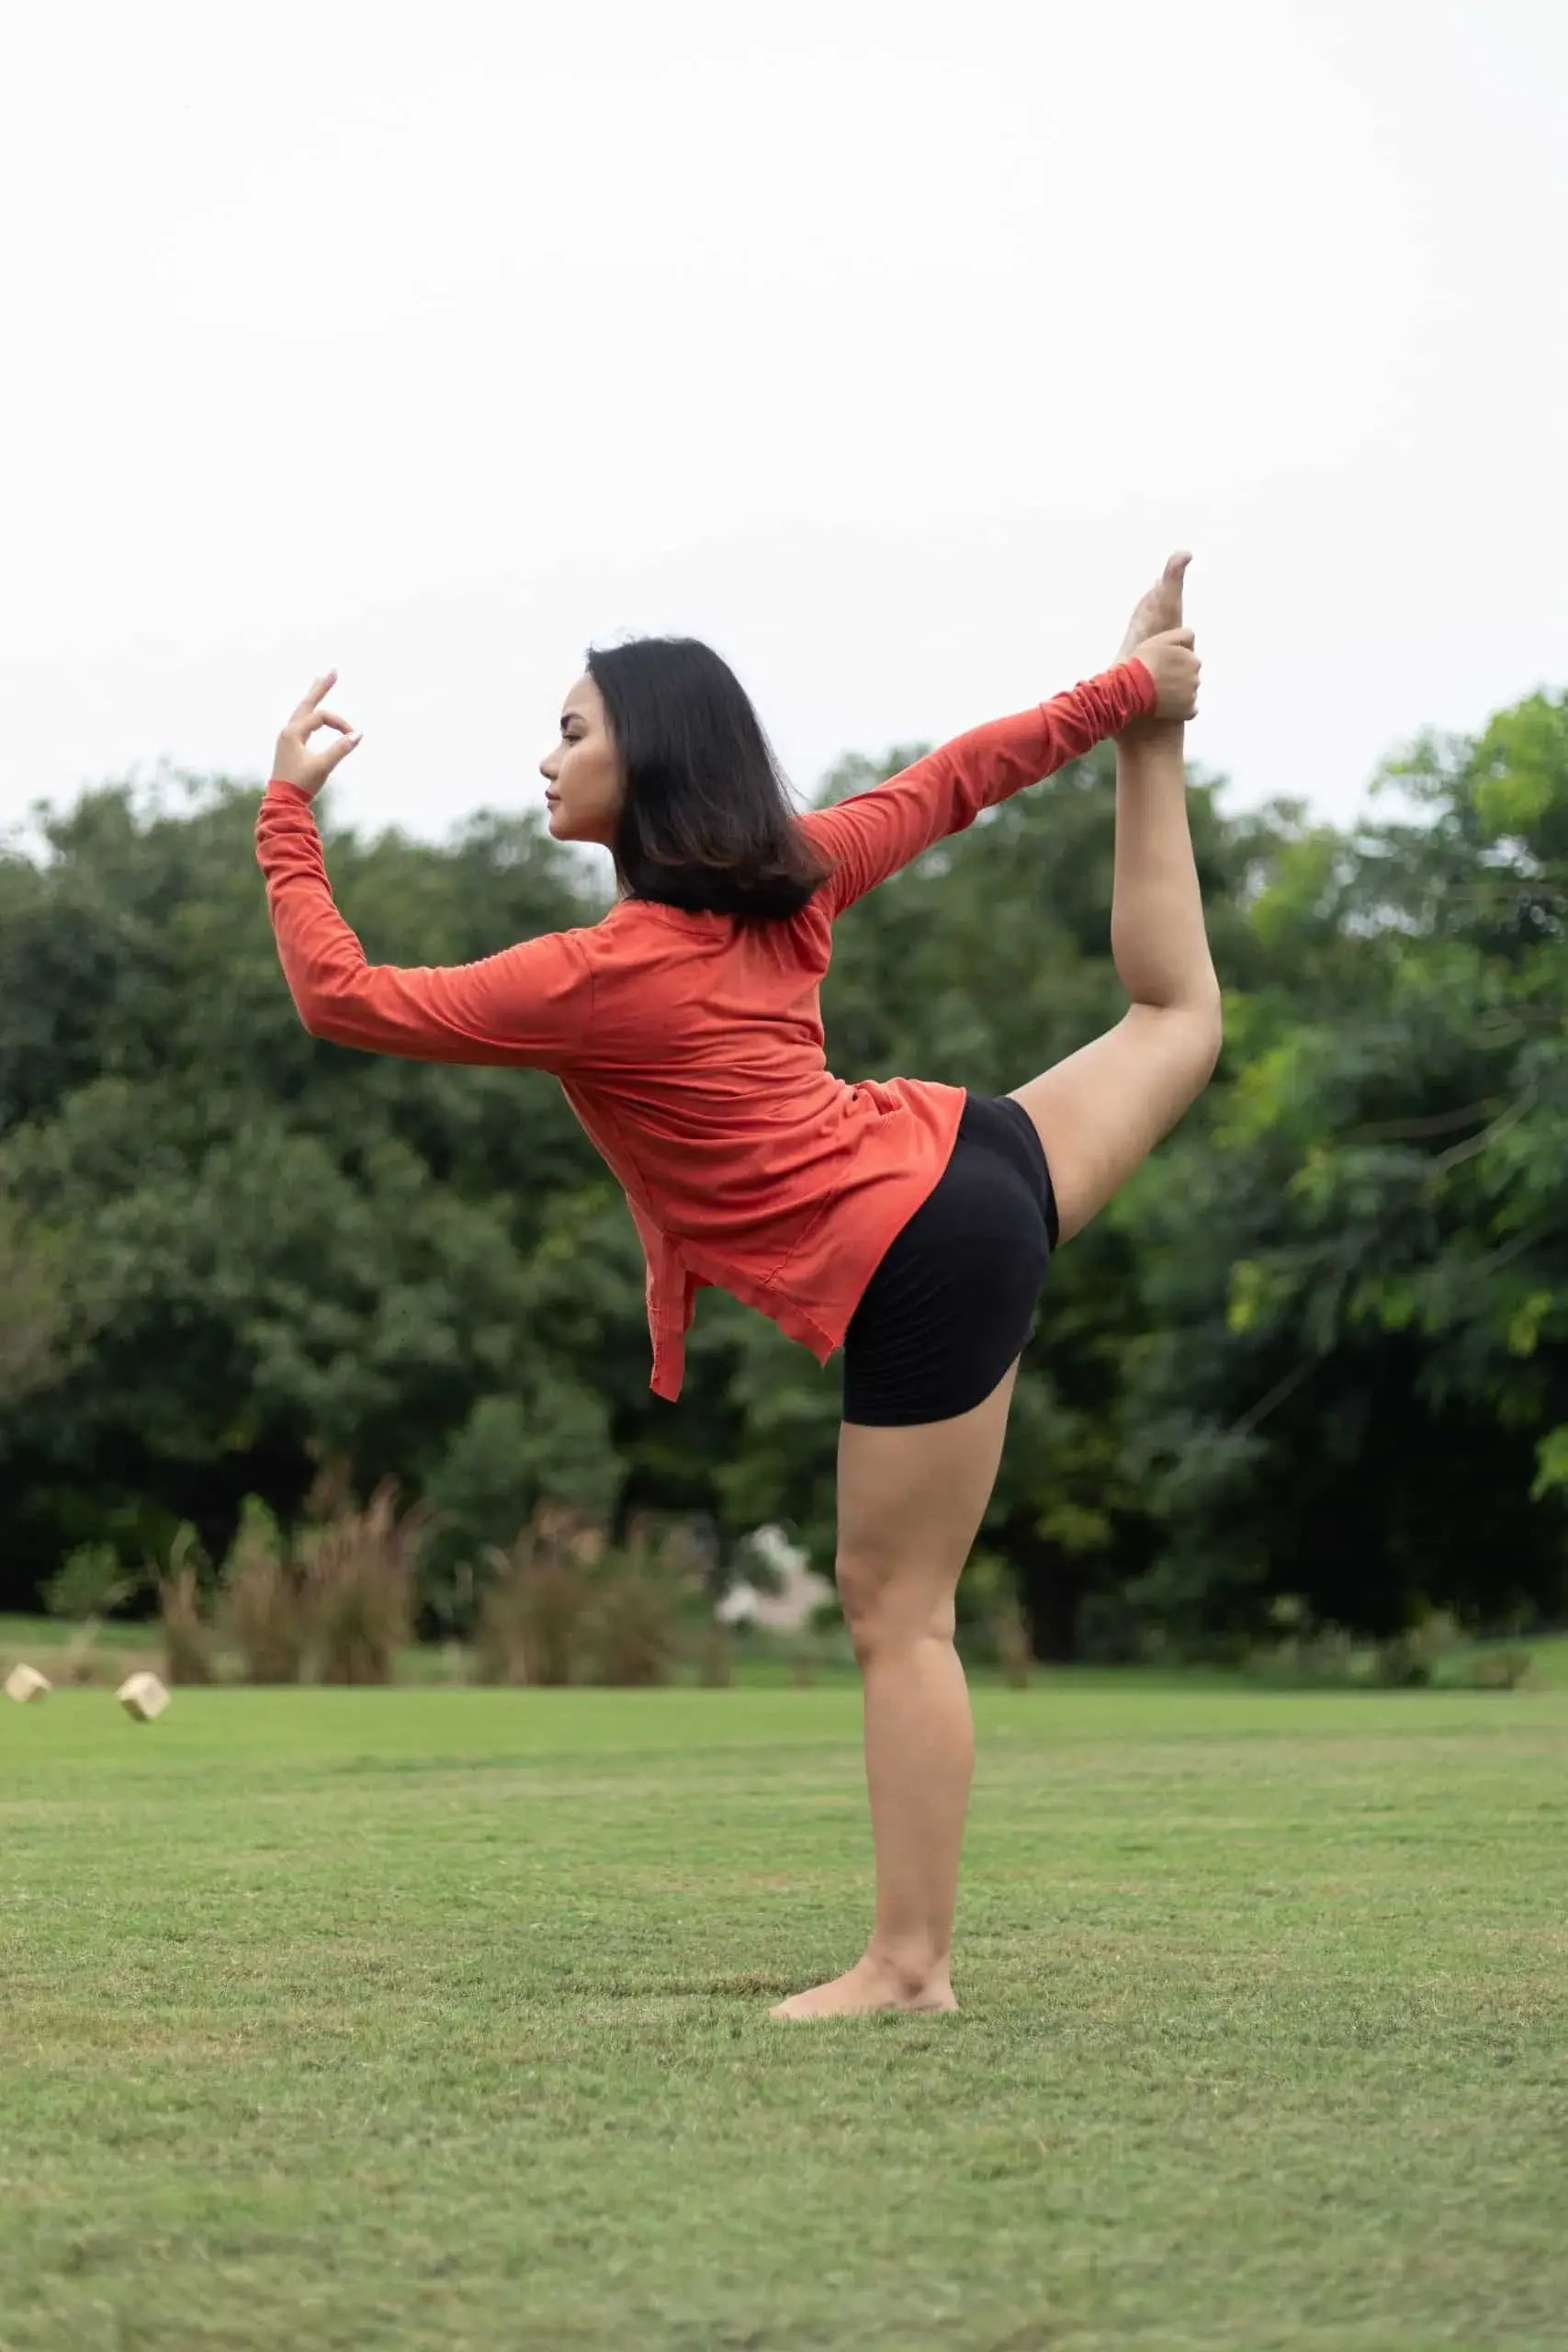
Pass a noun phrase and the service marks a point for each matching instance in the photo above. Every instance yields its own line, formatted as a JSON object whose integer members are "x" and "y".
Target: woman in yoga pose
{"x": 907, "y": 1222}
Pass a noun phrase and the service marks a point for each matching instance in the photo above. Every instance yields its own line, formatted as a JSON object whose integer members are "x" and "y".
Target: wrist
{"x": 1147, "y": 683}
{"x": 1152, "y": 732}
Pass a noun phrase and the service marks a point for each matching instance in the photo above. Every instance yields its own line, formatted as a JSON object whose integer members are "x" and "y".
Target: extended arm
{"x": 871, "y": 836}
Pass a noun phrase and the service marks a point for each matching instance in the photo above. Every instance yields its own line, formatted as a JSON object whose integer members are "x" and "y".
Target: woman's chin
{"x": 586, "y": 834}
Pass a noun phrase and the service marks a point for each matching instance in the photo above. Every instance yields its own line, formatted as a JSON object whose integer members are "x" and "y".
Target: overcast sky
{"x": 890, "y": 347}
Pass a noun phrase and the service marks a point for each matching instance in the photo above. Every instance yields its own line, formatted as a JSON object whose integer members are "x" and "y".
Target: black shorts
{"x": 953, "y": 1300}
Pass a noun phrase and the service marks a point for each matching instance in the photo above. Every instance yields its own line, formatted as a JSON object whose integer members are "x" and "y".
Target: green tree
{"x": 1316, "y": 1348}
{"x": 1356, "y": 1376}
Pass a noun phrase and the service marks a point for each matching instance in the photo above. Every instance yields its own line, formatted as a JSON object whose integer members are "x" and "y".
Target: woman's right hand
{"x": 294, "y": 762}
{"x": 1171, "y": 662}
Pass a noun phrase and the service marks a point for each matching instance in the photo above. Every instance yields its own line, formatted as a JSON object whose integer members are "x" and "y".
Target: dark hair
{"x": 707, "y": 822}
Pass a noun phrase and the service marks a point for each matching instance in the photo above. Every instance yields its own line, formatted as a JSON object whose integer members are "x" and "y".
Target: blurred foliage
{"x": 1318, "y": 1348}
{"x": 88, "y": 1583}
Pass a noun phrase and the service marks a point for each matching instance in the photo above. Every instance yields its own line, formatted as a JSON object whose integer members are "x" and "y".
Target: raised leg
{"x": 1101, "y": 1111}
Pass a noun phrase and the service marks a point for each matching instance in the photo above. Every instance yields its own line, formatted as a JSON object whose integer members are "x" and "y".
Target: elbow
{"x": 318, "y": 1018}
{"x": 332, "y": 1004}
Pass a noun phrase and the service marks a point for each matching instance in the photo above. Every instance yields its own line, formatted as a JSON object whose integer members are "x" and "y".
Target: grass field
{"x": 438, "y": 2019}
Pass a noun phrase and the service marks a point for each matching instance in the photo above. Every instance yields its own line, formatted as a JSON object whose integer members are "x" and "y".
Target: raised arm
{"x": 529, "y": 1005}
{"x": 871, "y": 836}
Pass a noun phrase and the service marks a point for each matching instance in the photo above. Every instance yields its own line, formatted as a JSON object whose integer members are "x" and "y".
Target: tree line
{"x": 1313, "y": 1359}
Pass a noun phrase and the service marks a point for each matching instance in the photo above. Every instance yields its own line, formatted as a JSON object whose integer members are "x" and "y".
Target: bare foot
{"x": 1158, "y": 608}
{"x": 866, "y": 1988}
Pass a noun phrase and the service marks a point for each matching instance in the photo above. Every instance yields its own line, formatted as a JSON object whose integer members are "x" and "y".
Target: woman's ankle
{"x": 910, "y": 1969}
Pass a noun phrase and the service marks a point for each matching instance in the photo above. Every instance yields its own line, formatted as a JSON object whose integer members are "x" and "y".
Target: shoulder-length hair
{"x": 707, "y": 822}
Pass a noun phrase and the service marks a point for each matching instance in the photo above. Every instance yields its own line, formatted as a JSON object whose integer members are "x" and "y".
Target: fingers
{"x": 1175, "y": 568}
{"x": 305, "y": 722}
{"x": 339, "y": 751}
{"x": 303, "y": 709}
{"x": 1171, "y": 656}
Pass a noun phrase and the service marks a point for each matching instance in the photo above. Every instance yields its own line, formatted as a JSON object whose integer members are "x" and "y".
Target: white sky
{"x": 889, "y": 346}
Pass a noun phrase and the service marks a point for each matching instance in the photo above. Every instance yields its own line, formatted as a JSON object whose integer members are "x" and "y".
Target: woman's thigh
{"x": 911, "y": 1504}
{"x": 1100, "y": 1113}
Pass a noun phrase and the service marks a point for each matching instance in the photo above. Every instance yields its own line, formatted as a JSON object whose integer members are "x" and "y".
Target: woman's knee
{"x": 890, "y": 1608}
{"x": 1208, "y": 1026}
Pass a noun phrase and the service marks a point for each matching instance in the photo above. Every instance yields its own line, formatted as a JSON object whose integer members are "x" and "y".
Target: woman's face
{"x": 582, "y": 771}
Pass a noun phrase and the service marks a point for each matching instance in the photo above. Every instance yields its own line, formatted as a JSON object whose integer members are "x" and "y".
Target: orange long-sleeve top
{"x": 691, "y": 1045}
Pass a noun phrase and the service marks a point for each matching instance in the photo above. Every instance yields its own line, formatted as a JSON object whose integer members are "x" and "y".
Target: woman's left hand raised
{"x": 294, "y": 762}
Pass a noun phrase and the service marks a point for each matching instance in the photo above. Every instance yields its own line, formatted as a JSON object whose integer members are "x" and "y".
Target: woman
{"x": 910, "y": 1222}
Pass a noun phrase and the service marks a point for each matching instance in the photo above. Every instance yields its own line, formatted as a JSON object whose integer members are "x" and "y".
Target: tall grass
{"x": 261, "y": 1609}
{"x": 1010, "y": 1636}
{"x": 559, "y": 1605}
{"x": 357, "y": 1569}
{"x": 536, "y": 1604}
{"x": 639, "y": 1591}
{"x": 188, "y": 1635}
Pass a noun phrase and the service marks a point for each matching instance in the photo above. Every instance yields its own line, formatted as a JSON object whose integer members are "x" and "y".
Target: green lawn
{"x": 438, "y": 2019}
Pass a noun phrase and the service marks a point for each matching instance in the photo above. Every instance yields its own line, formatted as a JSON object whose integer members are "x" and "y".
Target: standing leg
{"x": 910, "y": 1503}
